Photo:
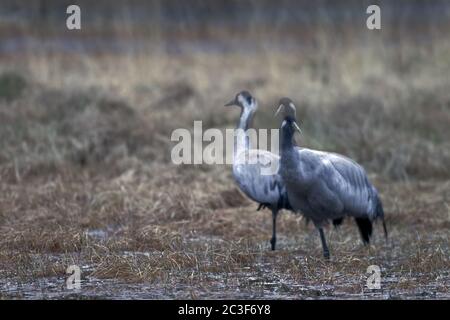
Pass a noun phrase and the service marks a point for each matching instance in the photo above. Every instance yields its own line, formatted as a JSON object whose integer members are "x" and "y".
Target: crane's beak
{"x": 231, "y": 103}
{"x": 297, "y": 127}
{"x": 279, "y": 110}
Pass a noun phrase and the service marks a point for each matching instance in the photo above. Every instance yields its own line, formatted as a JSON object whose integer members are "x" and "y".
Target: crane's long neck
{"x": 287, "y": 137}
{"x": 291, "y": 161}
{"x": 245, "y": 119}
{"x": 241, "y": 142}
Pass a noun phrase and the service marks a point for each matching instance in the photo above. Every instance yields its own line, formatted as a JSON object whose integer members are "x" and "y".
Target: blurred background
{"x": 380, "y": 96}
{"x": 86, "y": 117}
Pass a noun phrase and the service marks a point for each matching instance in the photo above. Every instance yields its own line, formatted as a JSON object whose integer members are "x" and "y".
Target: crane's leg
{"x": 326, "y": 251}
{"x": 273, "y": 241}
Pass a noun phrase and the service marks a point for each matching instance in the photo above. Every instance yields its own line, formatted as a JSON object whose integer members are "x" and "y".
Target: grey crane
{"x": 325, "y": 186}
{"x": 267, "y": 190}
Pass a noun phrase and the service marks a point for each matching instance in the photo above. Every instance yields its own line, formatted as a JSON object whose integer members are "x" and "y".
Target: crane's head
{"x": 244, "y": 100}
{"x": 287, "y": 109}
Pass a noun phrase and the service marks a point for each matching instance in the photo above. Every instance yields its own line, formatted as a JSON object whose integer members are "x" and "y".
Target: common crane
{"x": 325, "y": 186}
{"x": 267, "y": 190}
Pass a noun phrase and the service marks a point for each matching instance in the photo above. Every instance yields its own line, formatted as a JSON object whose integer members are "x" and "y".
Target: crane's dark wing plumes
{"x": 365, "y": 229}
{"x": 380, "y": 215}
{"x": 262, "y": 206}
{"x": 337, "y": 222}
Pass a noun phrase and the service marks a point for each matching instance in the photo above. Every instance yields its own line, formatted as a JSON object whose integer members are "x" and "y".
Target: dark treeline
{"x": 109, "y": 24}
{"x": 193, "y": 12}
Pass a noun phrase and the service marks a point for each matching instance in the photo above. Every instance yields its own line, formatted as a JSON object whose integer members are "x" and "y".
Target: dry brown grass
{"x": 173, "y": 236}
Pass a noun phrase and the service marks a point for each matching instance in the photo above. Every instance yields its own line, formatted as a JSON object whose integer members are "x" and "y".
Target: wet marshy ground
{"x": 184, "y": 259}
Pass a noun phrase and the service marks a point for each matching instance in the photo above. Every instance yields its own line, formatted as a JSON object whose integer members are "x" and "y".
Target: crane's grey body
{"x": 325, "y": 186}
{"x": 267, "y": 190}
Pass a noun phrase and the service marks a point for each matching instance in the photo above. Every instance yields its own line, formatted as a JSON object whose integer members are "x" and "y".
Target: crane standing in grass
{"x": 267, "y": 190}
{"x": 325, "y": 186}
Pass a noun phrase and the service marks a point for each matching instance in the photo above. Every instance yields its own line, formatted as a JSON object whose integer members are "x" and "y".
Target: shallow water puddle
{"x": 262, "y": 279}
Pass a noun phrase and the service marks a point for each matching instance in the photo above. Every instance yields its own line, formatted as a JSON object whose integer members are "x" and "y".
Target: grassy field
{"x": 86, "y": 177}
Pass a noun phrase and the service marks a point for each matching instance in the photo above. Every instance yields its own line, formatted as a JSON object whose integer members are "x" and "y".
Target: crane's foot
{"x": 273, "y": 242}
{"x": 326, "y": 255}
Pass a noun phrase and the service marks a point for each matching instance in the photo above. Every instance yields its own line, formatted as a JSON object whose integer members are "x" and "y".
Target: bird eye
{"x": 249, "y": 100}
